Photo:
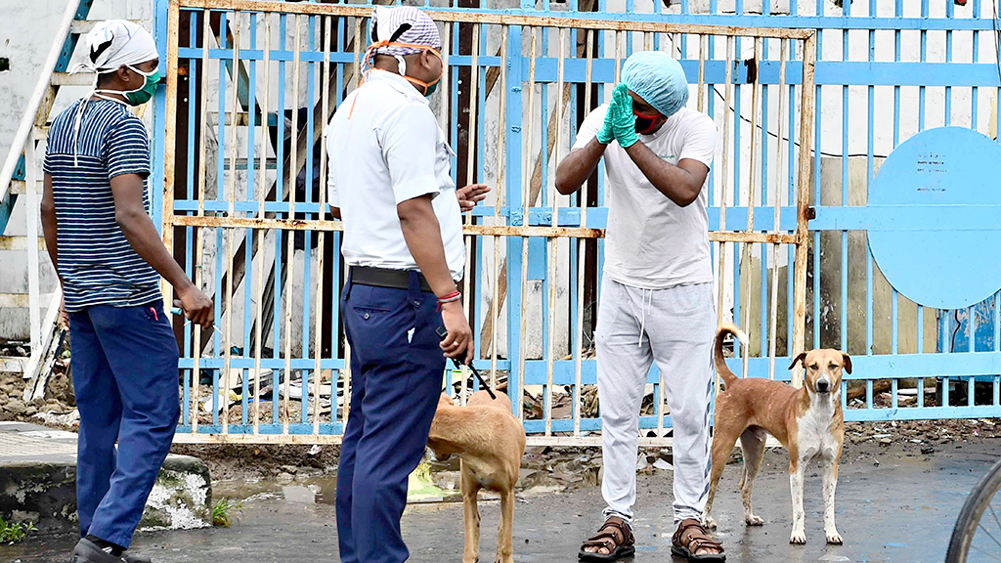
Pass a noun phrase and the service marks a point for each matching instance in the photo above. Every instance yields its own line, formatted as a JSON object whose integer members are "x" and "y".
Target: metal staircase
{"x": 21, "y": 182}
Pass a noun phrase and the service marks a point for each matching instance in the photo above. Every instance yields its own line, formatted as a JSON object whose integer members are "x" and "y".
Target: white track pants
{"x": 674, "y": 327}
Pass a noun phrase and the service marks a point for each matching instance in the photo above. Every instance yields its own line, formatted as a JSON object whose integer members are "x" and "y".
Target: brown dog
{"x": 490, "y": 442}
{"x": 808, "y": 422}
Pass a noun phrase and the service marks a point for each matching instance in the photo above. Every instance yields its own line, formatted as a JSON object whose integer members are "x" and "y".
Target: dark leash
{"x": 442, "y": 335}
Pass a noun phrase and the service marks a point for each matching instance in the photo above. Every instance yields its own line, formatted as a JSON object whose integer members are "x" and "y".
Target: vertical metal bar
{"x": 724, "y": 178}
{"x": 498, "y": 204}
{"x": 276, "y": 321}
{"x": 220, "y": 198}
{"x": 358, "y": 51}
{"x": 802, "y": 230}
{"x": 745, "y": 352}
{"x": 581, "y": 271}
{"x": 446, "y": 48}
{"x": 870, "y": 166}
{"x": 924, "y": 58}
{"x": 773, "y": 330}
{"x": 526, "y": 208}
{"x": 844, "y": 192}
{"x": 259, "y": 233}
{"x": 949, "y": 9}
{"x": 554, "y": 241}
{"x": 296, "y": 63}
{"x": 231, "y": 234}
{"x": 703, "y": 42}
{"x": 310, "y": 74}
{"x": 31, "y": 185}
{"x": 474, "y": 74}
{"x": 317, "y": 339}
{"x": 921, "y": 345}
{"x": 248, "y": 239}
{"x": 618, "y": 56}
{"x": 202, "y": 164}
{"x": 189, "y": 262}
{"x": 170, "y": 144}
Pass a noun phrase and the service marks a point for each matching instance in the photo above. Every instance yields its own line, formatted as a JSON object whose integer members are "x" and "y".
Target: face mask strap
{"x": 653, "y": 120}
{"x": 370, "y": 56}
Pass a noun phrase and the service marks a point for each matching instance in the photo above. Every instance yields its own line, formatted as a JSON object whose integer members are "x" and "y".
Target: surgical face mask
{"x": 646, "y": 123}
{"x": 429, "y": 87}
{"x": 140, "y": 95}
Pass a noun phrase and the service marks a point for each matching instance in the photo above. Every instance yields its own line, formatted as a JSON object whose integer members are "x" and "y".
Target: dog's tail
{"x": 721, "y": 367}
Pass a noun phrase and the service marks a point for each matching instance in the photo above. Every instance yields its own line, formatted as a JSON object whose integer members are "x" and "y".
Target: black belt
{"x": 382, "y": 277}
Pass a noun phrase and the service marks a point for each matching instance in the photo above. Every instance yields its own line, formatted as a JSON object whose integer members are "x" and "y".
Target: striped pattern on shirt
{"x": 97, "y": 264}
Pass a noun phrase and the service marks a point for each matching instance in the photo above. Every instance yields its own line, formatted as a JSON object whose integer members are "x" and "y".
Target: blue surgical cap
{"x": 657, "y": 78}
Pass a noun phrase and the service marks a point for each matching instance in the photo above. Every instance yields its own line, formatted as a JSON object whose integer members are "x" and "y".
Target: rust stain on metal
{"x": 470, "y": 16}
{"x": 468, "y": 230}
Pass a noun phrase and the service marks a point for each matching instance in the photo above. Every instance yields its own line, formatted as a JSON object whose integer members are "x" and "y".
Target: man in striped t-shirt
{"x": 109, "y": 258}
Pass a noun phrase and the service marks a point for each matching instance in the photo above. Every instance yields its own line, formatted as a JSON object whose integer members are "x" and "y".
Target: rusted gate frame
{"x": 553, "y": 232}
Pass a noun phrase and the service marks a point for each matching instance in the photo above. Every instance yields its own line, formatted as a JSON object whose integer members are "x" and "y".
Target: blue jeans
{"x": 124, "y": 362}
{"x": 396, "y": 374}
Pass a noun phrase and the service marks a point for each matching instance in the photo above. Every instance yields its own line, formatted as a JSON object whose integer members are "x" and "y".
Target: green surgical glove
{"x": 623, "y": 120}
{"x": 605, "y": 135}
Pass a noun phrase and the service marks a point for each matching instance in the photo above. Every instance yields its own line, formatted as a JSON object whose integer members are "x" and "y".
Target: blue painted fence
{"x": 864, "y": 95}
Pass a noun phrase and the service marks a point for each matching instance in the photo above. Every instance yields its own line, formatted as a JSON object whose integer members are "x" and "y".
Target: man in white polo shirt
{"x": 390, "y": 185}
{"x": 656, "y": 301}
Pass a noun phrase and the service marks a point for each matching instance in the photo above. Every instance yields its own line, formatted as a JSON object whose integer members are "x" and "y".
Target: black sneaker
{"x": 87, "y": 551}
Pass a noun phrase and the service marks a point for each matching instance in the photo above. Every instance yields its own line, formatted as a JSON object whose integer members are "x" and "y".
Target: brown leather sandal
{"x": 615, "y": 536}
{"x": 692, "y": 537}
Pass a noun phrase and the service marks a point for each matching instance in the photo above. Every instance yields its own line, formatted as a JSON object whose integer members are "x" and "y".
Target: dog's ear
{"x": 847, "y": 362}
{"x": 799, "y": 358}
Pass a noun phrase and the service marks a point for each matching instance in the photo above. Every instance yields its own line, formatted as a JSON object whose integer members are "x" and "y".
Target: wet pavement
{"x": 892, "y": 506}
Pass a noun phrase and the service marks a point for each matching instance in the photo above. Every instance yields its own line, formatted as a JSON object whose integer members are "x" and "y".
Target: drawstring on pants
{"x": 647, "y": 295}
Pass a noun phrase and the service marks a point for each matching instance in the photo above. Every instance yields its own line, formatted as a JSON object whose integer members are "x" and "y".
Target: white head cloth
{"x": 116, "y": 43}
{"x": 386, "y": 24}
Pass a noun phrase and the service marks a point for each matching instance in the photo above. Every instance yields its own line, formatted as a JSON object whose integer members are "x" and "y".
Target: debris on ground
{"x": 56, "y": 407}
{"x": 544, "y": 469}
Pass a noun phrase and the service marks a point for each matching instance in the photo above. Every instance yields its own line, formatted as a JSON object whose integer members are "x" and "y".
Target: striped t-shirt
{"x": 97, "y": 264}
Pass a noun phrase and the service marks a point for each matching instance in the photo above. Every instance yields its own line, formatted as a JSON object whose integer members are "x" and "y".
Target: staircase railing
{"x": 34, "y": 103}
{"x": 42, "y": 332}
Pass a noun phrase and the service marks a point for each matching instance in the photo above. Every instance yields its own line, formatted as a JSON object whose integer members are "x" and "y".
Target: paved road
{"x": 899, "y": 511}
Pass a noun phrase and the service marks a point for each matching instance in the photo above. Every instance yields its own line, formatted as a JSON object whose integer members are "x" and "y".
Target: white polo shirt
{"x": 650, "y": 241}
{"x": 385, "y": 147}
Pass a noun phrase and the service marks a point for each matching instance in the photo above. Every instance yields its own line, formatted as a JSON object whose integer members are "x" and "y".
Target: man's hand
{"x": 470, "y": 195}
{"x": 606, "y": 134}
{"x": 64, "y": 317}
{"x": 623, "y": 120}
{"x": 459, "y": 342}
{"x": 196, "y": 306}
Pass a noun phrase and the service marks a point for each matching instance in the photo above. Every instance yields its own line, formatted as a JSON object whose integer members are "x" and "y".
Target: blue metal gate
{"x": 235, "y": 212}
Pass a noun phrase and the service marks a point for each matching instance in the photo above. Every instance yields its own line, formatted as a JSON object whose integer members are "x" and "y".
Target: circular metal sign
{"x": 935, "y": 212}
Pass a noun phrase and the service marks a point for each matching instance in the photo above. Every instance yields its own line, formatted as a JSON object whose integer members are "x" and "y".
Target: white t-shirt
{"x": 650, "y": 241}
{"x": 385, "y": 147}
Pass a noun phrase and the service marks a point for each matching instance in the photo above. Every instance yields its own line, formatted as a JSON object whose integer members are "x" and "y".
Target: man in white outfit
{"x": 656, "y": 303}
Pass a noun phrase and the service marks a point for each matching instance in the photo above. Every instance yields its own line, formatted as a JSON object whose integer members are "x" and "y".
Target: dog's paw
{"x": 798, "y": 538}
{"x": 753, "y": 520}
{"x": 834, "y": 538}
{"x": 709, "y": 522}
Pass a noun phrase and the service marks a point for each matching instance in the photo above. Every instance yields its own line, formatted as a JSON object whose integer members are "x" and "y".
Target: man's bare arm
{"x": 578, "y": 166}
{"x": 681, "y": 183}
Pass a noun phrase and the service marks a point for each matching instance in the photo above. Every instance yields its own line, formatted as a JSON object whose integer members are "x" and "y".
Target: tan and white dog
{"x": 809, "y": 422}
{"x": 490, "y": 443}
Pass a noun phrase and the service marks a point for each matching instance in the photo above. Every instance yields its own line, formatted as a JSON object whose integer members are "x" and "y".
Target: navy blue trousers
{"x": 396, "y": 374}
{"x": 125, "y": 377}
